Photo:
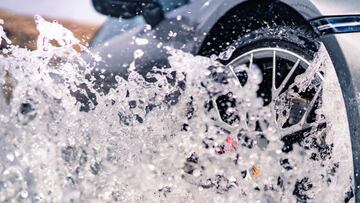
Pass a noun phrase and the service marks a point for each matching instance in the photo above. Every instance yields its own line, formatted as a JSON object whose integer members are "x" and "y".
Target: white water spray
{"x": 133, "y": 146}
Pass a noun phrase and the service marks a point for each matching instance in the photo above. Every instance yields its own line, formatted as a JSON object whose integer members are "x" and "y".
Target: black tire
{"x": 299, "y": 40}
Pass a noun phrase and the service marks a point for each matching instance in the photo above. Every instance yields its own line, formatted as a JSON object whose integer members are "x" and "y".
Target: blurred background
{"x": 77, "y": 15}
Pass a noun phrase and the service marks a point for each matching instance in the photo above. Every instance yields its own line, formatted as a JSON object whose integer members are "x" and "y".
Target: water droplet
{"x": 151, "y": 167}
{"x": 10, "y": 157}
{"x": 172, "y": 34}
{"x": 24, "y": 194}
{"x": 141, "y": 41}
{"x": 138, "y": 53}
{"x": 226, "y": 55}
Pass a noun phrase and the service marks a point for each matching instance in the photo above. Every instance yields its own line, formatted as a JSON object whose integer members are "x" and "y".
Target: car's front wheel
{"x": 294, "y": 74}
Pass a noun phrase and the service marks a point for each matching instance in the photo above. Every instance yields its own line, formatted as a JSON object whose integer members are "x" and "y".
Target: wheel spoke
{"x": 286, "y": 80}
{"x": 300, "y": 127}
{"x": 274, "y": 72}
{"x": 311, "y": 106}
{"x": 237, "y": 81}
{"x": 251, "y": 60}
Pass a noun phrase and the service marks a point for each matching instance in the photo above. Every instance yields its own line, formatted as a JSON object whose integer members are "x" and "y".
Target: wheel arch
{"x": 254, "y": 14}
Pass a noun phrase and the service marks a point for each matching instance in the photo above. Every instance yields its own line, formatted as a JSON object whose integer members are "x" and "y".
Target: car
{"x": 272, "y": 34}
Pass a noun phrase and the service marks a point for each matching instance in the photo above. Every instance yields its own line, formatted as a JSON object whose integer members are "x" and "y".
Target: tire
{"x": 296, "y": 39}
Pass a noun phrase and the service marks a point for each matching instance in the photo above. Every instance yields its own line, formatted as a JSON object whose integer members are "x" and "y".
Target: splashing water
{"x": 142, "y": 143}
{"x": 3, "y": 34}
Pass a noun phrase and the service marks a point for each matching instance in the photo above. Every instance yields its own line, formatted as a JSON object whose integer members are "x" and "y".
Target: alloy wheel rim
{"x": 280, "y": 87}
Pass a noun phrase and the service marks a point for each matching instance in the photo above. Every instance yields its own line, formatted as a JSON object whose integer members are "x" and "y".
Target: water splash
{"x": 152, "y": 142}
{"x": 3, "y": 34}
